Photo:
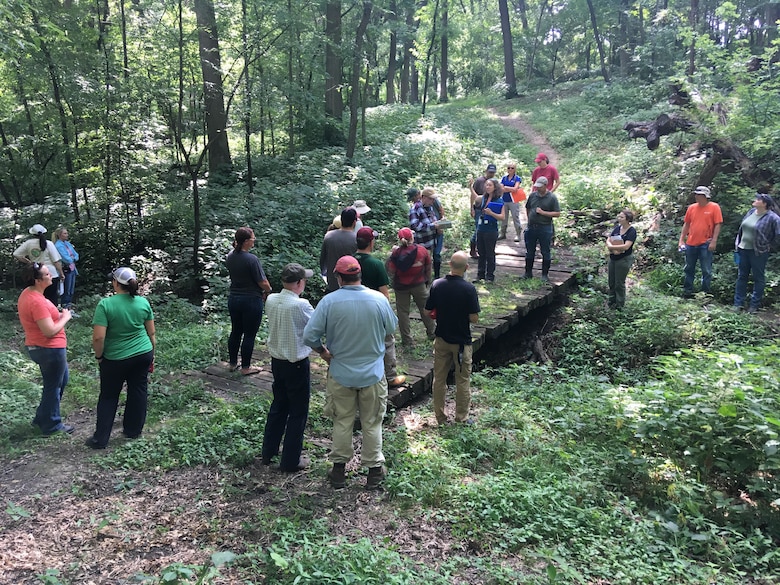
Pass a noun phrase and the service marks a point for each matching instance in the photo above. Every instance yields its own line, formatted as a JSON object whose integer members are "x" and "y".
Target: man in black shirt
{"x": 454, "y": 303}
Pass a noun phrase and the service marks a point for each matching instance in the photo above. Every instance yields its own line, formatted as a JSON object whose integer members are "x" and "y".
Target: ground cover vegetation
{"x": 645, "y": 451}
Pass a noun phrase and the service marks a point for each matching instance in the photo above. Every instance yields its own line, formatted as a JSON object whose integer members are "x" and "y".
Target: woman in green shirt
{"x": 123, "y": 339}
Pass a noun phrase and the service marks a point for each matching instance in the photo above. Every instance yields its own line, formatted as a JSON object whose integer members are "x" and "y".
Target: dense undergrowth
{"x": 647, "y": 452}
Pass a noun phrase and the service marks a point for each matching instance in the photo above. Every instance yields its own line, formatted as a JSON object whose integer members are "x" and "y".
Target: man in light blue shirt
{"x": 354, "y": 322}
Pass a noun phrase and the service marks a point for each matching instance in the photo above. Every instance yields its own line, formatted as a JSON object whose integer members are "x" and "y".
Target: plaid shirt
{"x": 421, "y": 220}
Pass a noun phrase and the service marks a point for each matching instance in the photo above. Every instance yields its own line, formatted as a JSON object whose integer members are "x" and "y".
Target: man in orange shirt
{"x": 699, "y": 238}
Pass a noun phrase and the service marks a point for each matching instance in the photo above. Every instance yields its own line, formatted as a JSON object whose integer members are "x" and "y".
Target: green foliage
{"x": 599, "y": 341}
{"x": 208, "y": 433}
{"x": 181, "y": 574}
{"x": 311, "y": 555}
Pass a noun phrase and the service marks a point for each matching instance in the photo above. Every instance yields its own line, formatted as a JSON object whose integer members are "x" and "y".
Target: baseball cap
{"x": 412, "y": 193}
{"x": 540, "y": 157}
{"x": 702, "y": 190}
{"x": 541, "y": 182}
{"x": 37, "y": 229}
{"x": 491, "y": 167}
{"x": 347, "y": 265}
{"x": 123, "y": 275}
{"x": 366, "y": 233}
{"x": 294, "y": 272}
{"x": 405, "y": 234}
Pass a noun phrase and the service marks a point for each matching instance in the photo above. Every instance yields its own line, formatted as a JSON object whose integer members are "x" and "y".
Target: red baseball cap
{"x": 366, "y": 233}
{"x": 405, "y": 234}
{"x": 347, "y": 265}
{"x": 540, "y": 157}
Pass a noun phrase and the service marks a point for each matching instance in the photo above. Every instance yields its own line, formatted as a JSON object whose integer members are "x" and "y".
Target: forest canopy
{"x": 107, "y": 105}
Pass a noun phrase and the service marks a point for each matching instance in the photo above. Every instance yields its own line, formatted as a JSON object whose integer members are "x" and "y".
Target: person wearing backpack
{"x": 409, "y": 270}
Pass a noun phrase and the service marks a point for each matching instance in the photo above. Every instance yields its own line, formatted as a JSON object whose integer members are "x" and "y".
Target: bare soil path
{"x": 532, "y": 137}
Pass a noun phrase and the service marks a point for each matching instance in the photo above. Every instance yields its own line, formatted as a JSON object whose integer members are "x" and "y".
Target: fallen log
{"x": 663, "y": 125}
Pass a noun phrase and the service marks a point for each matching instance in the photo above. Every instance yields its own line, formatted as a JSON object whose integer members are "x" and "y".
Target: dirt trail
{"x": 533, "y": 138}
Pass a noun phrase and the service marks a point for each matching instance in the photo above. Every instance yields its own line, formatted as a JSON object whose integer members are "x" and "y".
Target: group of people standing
{"x": 494, "y": 202}
{"x": 758, "y": 233}
{"x": 123, "y": 338}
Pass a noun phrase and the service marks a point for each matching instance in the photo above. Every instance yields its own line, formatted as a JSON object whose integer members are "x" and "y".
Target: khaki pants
{"x": 403, "y": 304}
{"x": 445, "y": 355}
{"x": 341, "y": 404}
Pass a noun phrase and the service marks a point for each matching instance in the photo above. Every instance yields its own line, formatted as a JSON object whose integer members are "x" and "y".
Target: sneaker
{"x": 397, "y": 381}
{"x": 376, "y": 476}
{"x": 752, "y": 310}
{"x": 527, "y": 276}
{"x": 545, "y": 278}
{"x": 337, "y": 476}
{"x": 74, "y": 314}
{"x": 517, "y": 239}
{"x": 502, "y": 237}
{"x": 68, "y": 429}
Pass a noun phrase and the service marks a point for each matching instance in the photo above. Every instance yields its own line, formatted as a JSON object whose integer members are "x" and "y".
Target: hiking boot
{"x": 337, "y": 476}
{"x": 376, "y": 475}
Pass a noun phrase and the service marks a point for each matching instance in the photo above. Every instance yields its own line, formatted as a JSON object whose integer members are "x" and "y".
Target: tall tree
{"x": 445, "y": 48}
{"x": 392, "y": 18}
{"x": 599, "y": 43}
{"x": 509, "y": 53}
{"x": 334, "y": 104}
{"x": 354, "y": 97}
{"x": 213, "y": 94}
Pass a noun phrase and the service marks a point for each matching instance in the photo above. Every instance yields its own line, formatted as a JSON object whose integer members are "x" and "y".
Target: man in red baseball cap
{"x": 348, "y": 329}
{"x": 546, "y": 170}
{"x": 374, "y": 276}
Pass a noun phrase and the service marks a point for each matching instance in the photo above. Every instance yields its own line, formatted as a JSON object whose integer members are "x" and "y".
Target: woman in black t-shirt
{"x": 620, "y": 244}
{"x": 248, "y": 288}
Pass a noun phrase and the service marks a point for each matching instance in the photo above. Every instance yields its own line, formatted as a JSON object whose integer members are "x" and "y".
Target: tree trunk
{"x": 428, "y": 57}
{"x": 247, "y": 100}
{"x": 58, "y": 100}
{"x": 537, "y": 39}
{"x": 391, "y": 58}
{"x": 509, "y": 52}
{"x": 445, "y": 71}
{"x": 213, "y": 95}
{"x": 623, "y": 37}
{"x": 599, "y": 44}
{"x": 354, "y": 97}
{"x": 408, "y": 68}
{"x": 693, "y": 21}
{"x": 334, "y": 104}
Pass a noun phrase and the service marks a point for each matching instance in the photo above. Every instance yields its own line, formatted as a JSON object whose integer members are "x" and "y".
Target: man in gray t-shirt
{"x": 338, "y": 243}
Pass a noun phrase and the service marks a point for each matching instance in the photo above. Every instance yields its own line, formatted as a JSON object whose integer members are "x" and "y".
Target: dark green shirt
{"x": 373, "y": 271}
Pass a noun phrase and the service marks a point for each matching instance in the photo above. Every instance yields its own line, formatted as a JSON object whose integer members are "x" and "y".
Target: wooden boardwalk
{"x": 510, "y": 263}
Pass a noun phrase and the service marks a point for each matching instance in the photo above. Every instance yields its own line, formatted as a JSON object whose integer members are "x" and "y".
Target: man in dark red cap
{"x": 546, "y": 170}
{"x": 374, "y": 276}
{"x": 348, "y": 329}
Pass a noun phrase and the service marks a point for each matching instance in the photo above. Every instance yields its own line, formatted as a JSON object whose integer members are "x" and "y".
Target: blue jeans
{"x": 704, "y": 256}
{"x": 246, "y": 311}
{"x": 288, "y": 413}
{"x": 749, "y": 262}
{"x": 541, "y": 234}
{"x": 53, "y": 363}
{"x": 113, "y": 374}
{"x": 68, "y": 287}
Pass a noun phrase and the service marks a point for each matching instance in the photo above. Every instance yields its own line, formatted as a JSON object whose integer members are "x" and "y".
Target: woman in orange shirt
{"x": 44, "y": 336}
